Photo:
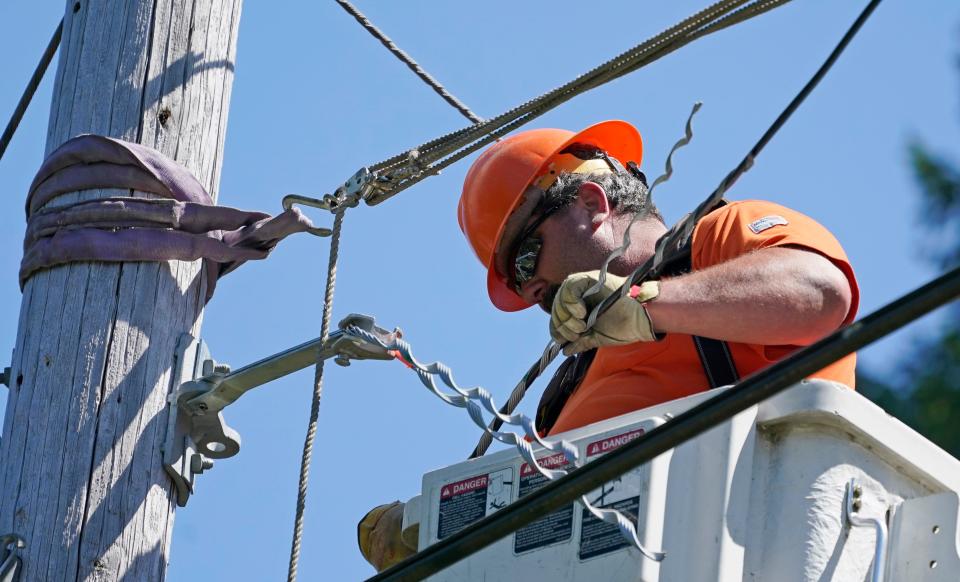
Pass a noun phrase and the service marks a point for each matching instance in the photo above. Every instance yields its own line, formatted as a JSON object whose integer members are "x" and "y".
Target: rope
{"x": 408, "y": 60}
{"x": 317, "y": 392}
{"x": 519, "y": 391}
{"x": 31, "y": 88}
{"x": 669, "y": 242}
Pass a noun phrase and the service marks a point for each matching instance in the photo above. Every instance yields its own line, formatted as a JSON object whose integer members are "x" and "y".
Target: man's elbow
{"x": 831, "y": 301}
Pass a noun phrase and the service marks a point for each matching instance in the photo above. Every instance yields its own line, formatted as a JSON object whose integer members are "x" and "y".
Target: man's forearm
{"x": 772, "y": 296}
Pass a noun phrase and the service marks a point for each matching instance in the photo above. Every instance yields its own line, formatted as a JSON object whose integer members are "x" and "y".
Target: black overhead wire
{"x": 30, "y": 89}
{"x": 671, "y": 242}
{"x": 408, "y": 60}
{"x": 763, "y": 384}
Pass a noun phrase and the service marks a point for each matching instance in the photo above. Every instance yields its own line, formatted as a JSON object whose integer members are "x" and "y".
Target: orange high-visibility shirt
{"x": 622, "y": 379}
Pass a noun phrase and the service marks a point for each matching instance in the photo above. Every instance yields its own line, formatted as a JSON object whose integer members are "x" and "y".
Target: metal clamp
{"x": 853, "y": 501}
{"x": 196, "y": 431}
{"x": 348, "y": 195}
{"x": 5, "y": 376}
{"x": 10, "y": 561}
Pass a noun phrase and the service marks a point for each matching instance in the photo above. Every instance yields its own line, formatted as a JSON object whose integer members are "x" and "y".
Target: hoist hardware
{"x": 196, "y": 430}
{"x": 5, "y": 377}
{"x": 358, "y": 187}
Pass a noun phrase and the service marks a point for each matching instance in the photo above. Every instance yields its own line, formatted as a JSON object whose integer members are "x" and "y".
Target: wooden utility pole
{"x": 80, "y": 462}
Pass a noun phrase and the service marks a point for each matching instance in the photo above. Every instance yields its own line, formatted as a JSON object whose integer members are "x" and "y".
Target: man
{"x": 544, "y": 208}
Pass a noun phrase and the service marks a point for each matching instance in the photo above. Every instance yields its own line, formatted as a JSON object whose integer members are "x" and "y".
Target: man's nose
{"x": 534, "y": 291}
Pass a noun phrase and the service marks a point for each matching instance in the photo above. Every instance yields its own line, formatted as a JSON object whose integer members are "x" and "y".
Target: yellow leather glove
{"x": 378, "y": 535}
{"x": 625, "y": 322}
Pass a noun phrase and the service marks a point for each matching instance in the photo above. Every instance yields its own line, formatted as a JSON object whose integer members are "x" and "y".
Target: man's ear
{"x": 593, "y": 199}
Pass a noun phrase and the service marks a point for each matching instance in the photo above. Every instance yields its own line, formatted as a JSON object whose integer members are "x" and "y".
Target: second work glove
{"x": 625, "y": 322}
{"x": 379, "y": 536}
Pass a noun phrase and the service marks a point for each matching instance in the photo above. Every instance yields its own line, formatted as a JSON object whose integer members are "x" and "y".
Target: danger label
{"x": 598, "y": 537}
{"x": 554, "y": 528}
{"x": 606, "y": 445}
{"x": 464, "y": 502}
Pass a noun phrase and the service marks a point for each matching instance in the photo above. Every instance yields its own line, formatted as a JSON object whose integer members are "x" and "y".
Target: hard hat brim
{"x": 620, "y": 140}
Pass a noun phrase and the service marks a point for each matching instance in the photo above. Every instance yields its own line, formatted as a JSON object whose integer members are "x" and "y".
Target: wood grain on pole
{"x": 80, "y": 462}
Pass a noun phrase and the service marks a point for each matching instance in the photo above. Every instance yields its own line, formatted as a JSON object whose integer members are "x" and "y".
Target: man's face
{"x": 575, "y": 238}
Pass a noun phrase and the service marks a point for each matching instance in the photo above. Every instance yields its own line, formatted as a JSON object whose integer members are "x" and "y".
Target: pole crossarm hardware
{"x": 196, "y": 430}
{"x": 685, "y": 426}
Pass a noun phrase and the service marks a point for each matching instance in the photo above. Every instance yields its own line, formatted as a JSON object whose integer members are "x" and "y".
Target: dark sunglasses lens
{"x": 525, "y": 265}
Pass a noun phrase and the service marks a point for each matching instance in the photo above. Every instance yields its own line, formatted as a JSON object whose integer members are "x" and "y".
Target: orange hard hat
{"x": 496, "y": 182}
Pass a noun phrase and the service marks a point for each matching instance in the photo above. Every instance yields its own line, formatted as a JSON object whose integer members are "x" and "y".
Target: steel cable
{"x": 408, "y": 60}
{"x": 31, "y": 89}
{"x": 317, "y": 393}
{"x": 459, "y": 144}
{"x": 454, "y": 140}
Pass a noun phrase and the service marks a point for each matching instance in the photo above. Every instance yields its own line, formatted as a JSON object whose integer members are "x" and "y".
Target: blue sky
{"x": 316, "y": 98}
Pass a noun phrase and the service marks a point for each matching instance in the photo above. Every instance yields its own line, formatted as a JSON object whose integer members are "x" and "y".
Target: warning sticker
{"x": 464, "y": 502}
{"x": 554, "y": 528}
{"x": 598, "y": 537}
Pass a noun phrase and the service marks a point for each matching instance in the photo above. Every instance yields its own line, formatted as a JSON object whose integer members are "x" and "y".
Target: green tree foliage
{"x": 931, "y": 401}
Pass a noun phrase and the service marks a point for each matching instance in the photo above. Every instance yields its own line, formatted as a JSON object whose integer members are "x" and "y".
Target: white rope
{"x": 315, "y": 400}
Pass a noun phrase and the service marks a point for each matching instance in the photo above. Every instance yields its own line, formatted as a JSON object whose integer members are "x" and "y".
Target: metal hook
{"x": 290, "y": 199}
{"x": 346, "y": 196}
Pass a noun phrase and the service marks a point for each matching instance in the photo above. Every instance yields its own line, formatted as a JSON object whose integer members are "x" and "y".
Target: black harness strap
{"x": 716, "y": 361}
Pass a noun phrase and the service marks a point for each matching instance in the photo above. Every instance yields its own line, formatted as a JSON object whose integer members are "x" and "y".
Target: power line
{"x": 31, "y": 88}
{"x": 408, "y": 60}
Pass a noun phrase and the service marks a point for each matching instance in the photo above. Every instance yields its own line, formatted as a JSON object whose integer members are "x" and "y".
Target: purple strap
{"x": 183, "y": 225}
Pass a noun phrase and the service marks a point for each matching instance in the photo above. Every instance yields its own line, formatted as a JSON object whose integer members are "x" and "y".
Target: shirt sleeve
{"x": 743, "y": 227}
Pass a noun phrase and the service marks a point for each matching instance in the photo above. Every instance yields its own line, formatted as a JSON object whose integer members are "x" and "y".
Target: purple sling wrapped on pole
{"x": 182, "y": 225}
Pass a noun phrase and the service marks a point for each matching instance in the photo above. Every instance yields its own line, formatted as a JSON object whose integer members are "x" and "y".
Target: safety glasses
{"x": 527, "y": 250}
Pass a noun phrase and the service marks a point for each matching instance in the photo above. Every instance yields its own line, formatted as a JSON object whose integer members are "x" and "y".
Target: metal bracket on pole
{"x": 853, "y": 504}
{"x": 9, "y": 558}
{"x": 5, "y": 378}
{"x": 196, "y": 431}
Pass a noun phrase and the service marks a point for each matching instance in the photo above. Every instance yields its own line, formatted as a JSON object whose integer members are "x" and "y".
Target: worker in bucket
{"x": 543, "y": 210}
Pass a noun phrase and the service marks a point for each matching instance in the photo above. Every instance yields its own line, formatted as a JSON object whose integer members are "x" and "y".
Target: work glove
{"x": 625, "y": 322}
{"x": 379, "y": 536}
